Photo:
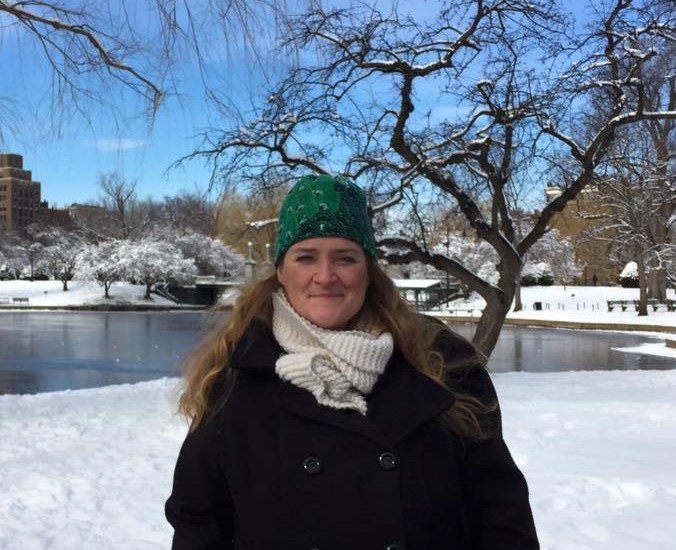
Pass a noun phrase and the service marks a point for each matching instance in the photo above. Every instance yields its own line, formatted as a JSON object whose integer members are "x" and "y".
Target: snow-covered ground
{"x": 572, "y": 303}
{"x": 50, "y": 293}
{"x": 578, "y": 304}
{"x": 92, "y": 468}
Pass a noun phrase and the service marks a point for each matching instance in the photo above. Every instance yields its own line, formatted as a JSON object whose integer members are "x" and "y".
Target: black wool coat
{"x": 276, "y": 470}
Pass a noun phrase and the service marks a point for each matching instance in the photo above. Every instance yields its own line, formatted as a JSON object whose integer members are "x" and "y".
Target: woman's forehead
{"x": 331, "y": 244}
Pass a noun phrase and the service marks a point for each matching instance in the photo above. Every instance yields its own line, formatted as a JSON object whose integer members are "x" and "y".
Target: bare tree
{"x": 251, "y": 217}
{"x": 642, "y": 209}
{"x": 92, "y": 46}
{"x": 637, "y": 186}
{"x": 119, "y": 199}
{"x": 189, "y": 211}
{"x": 477, "y": 101}
{"x": 96, "y": 51}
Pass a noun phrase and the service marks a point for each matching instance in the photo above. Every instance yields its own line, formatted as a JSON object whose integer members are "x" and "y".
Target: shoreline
{"x": 106, "y": 307}
{"x": 563, "y": 324}
{"x": 527, "y": 322}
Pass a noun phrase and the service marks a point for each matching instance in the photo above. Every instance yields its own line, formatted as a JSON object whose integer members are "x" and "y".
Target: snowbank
{"x": 92, "y": 468}
{"x": 50, "y": 293}
{"x": 577, "y": 303}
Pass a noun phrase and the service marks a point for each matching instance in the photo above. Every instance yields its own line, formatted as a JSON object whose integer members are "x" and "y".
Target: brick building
{"x": 20, "y": 203}
{"x": 19, "y": 194}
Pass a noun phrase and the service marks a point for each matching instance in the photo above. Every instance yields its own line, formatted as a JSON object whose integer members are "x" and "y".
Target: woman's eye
{"x": 347, "y": 260}
{"x": 304, "y": 258}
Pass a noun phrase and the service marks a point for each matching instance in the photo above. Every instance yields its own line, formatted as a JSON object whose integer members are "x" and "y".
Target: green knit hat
{"x": 324, "y": 206}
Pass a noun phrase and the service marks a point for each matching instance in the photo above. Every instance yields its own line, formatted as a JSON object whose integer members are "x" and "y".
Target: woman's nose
{"x": 325, "y": 272}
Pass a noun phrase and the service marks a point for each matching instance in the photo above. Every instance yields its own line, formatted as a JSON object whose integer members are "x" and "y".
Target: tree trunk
{"x": 642, "y": 284}
{"x": 489, "y": 326}
{"x": 147, "y": 294}
{"x": 518, "y": 305}
{"x": 106, "y": 288}
{"x": 65, "y": 284}
{"x": 657, "y": 283}
{"x": 498, "y": 303}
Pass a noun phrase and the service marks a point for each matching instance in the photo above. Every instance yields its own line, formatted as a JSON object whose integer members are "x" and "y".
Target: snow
{"x": 50, "y": 293}
{"x": 586, "y": 304}
{"x": 416, "y": 283}
{"x": 92, "y": 468}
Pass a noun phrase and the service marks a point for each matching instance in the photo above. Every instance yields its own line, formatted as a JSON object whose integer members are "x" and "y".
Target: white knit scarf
{"x": 338, "y": 367}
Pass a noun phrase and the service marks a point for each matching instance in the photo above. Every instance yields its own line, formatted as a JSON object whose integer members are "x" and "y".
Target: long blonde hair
{"x": 209, "y": 378}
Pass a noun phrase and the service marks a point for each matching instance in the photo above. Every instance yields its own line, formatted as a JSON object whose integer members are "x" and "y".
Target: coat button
{"x": 312, "y": 465}
{"x": 388, "y": 461}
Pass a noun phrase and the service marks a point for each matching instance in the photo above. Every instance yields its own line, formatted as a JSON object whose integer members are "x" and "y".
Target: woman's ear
{"x": 279, "y": 272}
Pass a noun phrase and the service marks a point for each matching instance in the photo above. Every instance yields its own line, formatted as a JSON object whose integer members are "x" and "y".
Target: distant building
{"x": 19, "y": 194}
{"x": 577, "y": 222}
{"x": 55, "y": 217}
{"x": 20, "y": 198}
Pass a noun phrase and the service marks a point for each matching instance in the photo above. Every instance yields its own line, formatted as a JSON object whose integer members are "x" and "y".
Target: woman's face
{"x": 325, "y": 280}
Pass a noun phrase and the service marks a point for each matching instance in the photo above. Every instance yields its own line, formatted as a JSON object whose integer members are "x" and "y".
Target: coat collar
{"x": 401, "y": 400}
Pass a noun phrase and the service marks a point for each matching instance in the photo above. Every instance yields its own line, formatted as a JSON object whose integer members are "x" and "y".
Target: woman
{"x": 328, "y": 415}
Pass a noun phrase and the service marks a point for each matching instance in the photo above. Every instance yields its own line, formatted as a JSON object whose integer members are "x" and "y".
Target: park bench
{"x": 669, "y": 305}
{"x": 19, "y": 300}
{"x": 463, "y": 310}
{"x": 619, "y": 303}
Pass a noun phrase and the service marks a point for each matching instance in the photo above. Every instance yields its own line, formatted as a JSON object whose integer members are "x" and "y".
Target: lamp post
{"x": 250, "y": 264}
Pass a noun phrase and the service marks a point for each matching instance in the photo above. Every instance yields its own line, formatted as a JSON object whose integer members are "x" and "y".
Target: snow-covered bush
{"x": 538, "y": 273}
{"x": 629, "y": 276}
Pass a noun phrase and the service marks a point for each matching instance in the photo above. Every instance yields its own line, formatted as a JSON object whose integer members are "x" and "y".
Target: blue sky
{"x": 68, "y": 156}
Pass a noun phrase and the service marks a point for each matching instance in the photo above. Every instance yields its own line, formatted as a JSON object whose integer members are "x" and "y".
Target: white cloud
{"x": 117, "y": 144}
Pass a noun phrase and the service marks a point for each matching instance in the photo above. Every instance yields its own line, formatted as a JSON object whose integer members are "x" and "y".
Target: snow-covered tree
{"x": 211, "y": 256}
{"x": 60, "y": 260}
{"x": 151, "y": 262}
{"x": 558, "y": 253}
{"x": 33, "y": 256}
{"x": 12, "y": 253}
{"x": 101, "y": 263}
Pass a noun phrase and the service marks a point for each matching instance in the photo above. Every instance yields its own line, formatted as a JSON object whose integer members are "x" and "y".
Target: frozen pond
{"x": 50, "y": 351}
{"x": 550, "y": 350}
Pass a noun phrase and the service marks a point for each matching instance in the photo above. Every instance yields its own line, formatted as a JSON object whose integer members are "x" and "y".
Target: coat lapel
{"x": 302, "y": 403}
{"x": 402, "y": 399}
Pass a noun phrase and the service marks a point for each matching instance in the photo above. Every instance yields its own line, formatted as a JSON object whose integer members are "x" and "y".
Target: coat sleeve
{"x": 499, "y": 511}
{"x": 200, "y": 508}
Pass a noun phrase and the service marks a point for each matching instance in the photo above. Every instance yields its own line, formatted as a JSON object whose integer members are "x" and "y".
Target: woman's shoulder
{"x": 454, "y": 348}
{"x": 466, "y": 371}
